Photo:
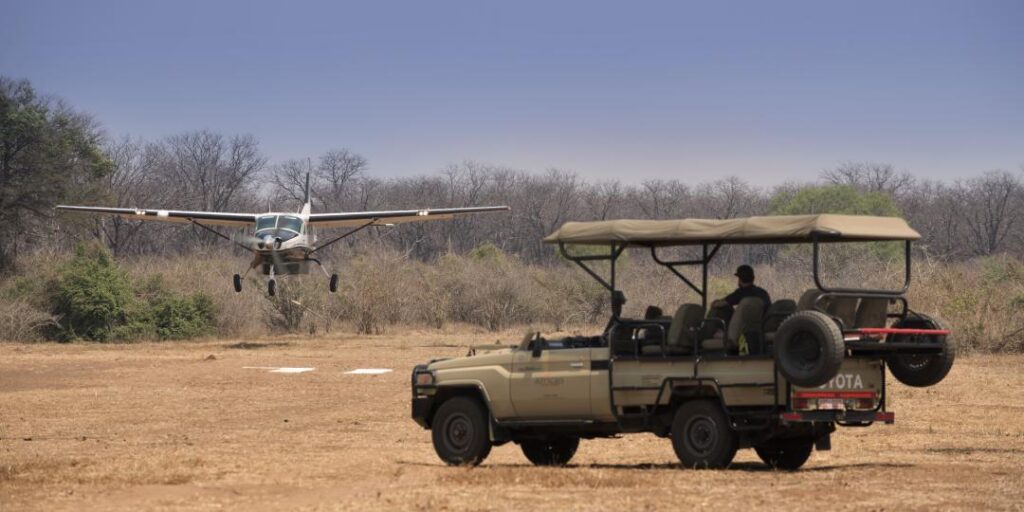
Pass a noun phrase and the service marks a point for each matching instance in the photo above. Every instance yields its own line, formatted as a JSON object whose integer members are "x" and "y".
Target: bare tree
{"x": 991, "y": 207}
{"x": 871, "y": 177}
{"x": 133, "y": 184}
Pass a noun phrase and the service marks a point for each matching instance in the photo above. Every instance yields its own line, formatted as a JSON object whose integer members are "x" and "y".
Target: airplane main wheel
{"x": 334, "y": 283}
{"x": 271, "y": 287}
{"x": 238, "y": 283}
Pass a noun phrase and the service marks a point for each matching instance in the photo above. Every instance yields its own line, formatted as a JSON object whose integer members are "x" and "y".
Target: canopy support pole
{"x": 613, "y": 255}
{"x": 704, "y": 276}
{"x": 707, "y": 254}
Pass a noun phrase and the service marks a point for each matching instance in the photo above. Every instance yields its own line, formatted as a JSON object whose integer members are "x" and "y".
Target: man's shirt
{"x": 741, "y": 293}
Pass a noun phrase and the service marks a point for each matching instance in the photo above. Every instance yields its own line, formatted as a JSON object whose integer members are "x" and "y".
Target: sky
{"x": 767, "y": 91}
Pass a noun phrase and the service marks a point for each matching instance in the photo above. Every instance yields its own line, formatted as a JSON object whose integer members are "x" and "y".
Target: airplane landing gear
{"x": 333, "y": 286}
{"x": 272, "y": 283}
{"x": 238, "y": 283}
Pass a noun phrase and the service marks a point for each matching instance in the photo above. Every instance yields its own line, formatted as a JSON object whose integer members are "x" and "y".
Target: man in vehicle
{"x": 722, "y": 309}
{"x": 745, "y": 288}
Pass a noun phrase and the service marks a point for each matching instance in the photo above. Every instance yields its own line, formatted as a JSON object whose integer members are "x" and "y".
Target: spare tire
{"x": 920, "y": 370}
{"x": 809, "y": 348}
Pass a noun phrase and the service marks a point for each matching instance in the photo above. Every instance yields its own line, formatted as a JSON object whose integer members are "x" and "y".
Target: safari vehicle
{"x": 778, "y": 379}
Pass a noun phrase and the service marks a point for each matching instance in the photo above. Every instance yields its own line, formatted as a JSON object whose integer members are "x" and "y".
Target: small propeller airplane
{"x": 285, "y": 243}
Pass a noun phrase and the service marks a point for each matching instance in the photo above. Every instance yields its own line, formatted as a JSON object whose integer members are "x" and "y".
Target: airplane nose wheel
{"x": 334, "y": 283}
{"x": 271, "y": 287}
{"x": 238, "y": 283}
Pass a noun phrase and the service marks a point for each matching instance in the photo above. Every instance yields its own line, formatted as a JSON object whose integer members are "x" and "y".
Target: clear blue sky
{"x": 763, "y": 90}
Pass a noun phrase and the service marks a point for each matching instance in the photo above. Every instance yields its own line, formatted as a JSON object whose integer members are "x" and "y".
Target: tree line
{"x": 50, "y": 154}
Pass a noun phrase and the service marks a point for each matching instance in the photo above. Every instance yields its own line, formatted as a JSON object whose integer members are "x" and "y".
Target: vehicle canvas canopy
{"x": 711, "y": 234}
{"x": 777, "y": 229}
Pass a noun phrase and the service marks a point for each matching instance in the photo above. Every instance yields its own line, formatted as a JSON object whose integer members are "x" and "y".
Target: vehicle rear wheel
{"x": 237, "y": 280}
{"x": 920, "y": 370}
{"x": 460, "y": 432}
{"x": 787, "y": 454}
{"x": 550, "y": 452}
{"x": 334, "y": 283}
{"x": 809, "y": 348}
{"x": 702, "y": 436}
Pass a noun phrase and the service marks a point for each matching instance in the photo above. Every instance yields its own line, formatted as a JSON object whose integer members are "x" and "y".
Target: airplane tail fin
{"x": 306, "y": 206}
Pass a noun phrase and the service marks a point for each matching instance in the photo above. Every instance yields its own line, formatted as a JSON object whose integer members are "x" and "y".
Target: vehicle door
{"x": 551, "y": 383}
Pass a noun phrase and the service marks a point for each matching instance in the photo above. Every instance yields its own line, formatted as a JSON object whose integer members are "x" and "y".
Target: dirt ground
{"x": 186, "y": 426}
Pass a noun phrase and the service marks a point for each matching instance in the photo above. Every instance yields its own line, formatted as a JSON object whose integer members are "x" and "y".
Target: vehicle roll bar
{"x": 862, "y": 291}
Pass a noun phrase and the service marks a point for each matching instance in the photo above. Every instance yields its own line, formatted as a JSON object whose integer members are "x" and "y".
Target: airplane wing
{"x": 352, "y": 219}
{"x": 214, "y": 218}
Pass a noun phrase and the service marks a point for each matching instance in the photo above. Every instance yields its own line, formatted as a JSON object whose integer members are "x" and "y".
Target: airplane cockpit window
{"x": 290, "y": 223}
{"x": 266, "y": 222}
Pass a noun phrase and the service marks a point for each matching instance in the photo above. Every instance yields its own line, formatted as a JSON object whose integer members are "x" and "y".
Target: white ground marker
{"x": 279, "y": 369}
{"x": 368, "y": 371}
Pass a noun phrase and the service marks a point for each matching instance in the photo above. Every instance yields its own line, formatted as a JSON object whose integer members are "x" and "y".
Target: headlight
{"x": 424, "y": 379}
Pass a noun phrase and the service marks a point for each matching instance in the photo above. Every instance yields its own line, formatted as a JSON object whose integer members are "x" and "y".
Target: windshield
{"x": 290, "y": 223}
{"x": 279, "y": 222}
{"x": 266, "y": 222}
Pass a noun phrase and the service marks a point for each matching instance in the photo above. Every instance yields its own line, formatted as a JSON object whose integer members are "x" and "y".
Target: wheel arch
{"x": 474, "y": 391}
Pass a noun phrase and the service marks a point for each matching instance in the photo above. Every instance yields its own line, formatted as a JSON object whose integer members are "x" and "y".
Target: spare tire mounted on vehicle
{"x": 809, "y": 348}
{"x": 920, "y": 370}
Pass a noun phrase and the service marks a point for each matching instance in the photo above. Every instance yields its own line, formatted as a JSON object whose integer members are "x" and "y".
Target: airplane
{"x": 285, "y": 243}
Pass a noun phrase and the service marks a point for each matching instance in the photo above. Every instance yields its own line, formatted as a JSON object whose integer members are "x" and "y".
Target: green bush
{"x": 94, "y": 299}
{"x": 93, "y": 296}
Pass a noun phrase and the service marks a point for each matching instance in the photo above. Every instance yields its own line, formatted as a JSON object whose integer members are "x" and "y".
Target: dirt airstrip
{"x": 186, "y": 426}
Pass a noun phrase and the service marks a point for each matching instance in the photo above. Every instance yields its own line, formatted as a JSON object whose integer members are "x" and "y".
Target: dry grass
{"x": 382, "y": 291}
{"x": 147, "y": 426}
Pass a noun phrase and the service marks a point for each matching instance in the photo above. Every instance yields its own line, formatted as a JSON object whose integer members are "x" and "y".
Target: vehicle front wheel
{"x": 460, "y": 432}
{"x": 702, "y": 436}
{"x": 787, "y": 454}
{"x": 237, "y": 281}
{"x": 550, "y": 452}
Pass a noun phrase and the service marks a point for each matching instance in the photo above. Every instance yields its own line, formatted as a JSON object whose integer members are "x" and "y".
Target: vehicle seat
{"x": 843, "y": 308}
{"x": 776, "y": 314}
{"x": 746, "y": 318}
{"x": 808, "y": 299}
{"x": 872, "y": 313}
{"x": 681, "y": 333}
{"x": 620, "y": 340}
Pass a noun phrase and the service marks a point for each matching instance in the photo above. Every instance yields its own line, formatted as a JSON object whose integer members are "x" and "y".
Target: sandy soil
{"x": 166, "y": 426}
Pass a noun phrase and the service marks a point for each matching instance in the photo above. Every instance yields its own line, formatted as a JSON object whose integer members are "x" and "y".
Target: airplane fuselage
{"x": 284, "y": 242}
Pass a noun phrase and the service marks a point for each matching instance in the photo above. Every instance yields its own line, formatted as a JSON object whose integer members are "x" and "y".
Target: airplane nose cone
{"x": 267, "y": 241}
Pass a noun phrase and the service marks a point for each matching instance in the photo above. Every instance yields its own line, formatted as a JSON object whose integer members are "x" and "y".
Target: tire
{"x": 785, "y": 454}
{"x": 460, "y": 432}
{"x": 921, "y": 370}
{"x": 809, "y": 348}
{"x": 550, "y": 452}
{"x": 334, "y": 283}
{"x": 702, "y": 436}
{"x": 237, "y": 281}
{"x": 272, "y": 287}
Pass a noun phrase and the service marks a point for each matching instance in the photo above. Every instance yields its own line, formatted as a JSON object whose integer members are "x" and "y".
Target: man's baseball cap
{"x": 745, "y": 273}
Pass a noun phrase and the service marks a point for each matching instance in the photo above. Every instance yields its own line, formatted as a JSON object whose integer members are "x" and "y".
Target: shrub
{"x": 92, "y": 297}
